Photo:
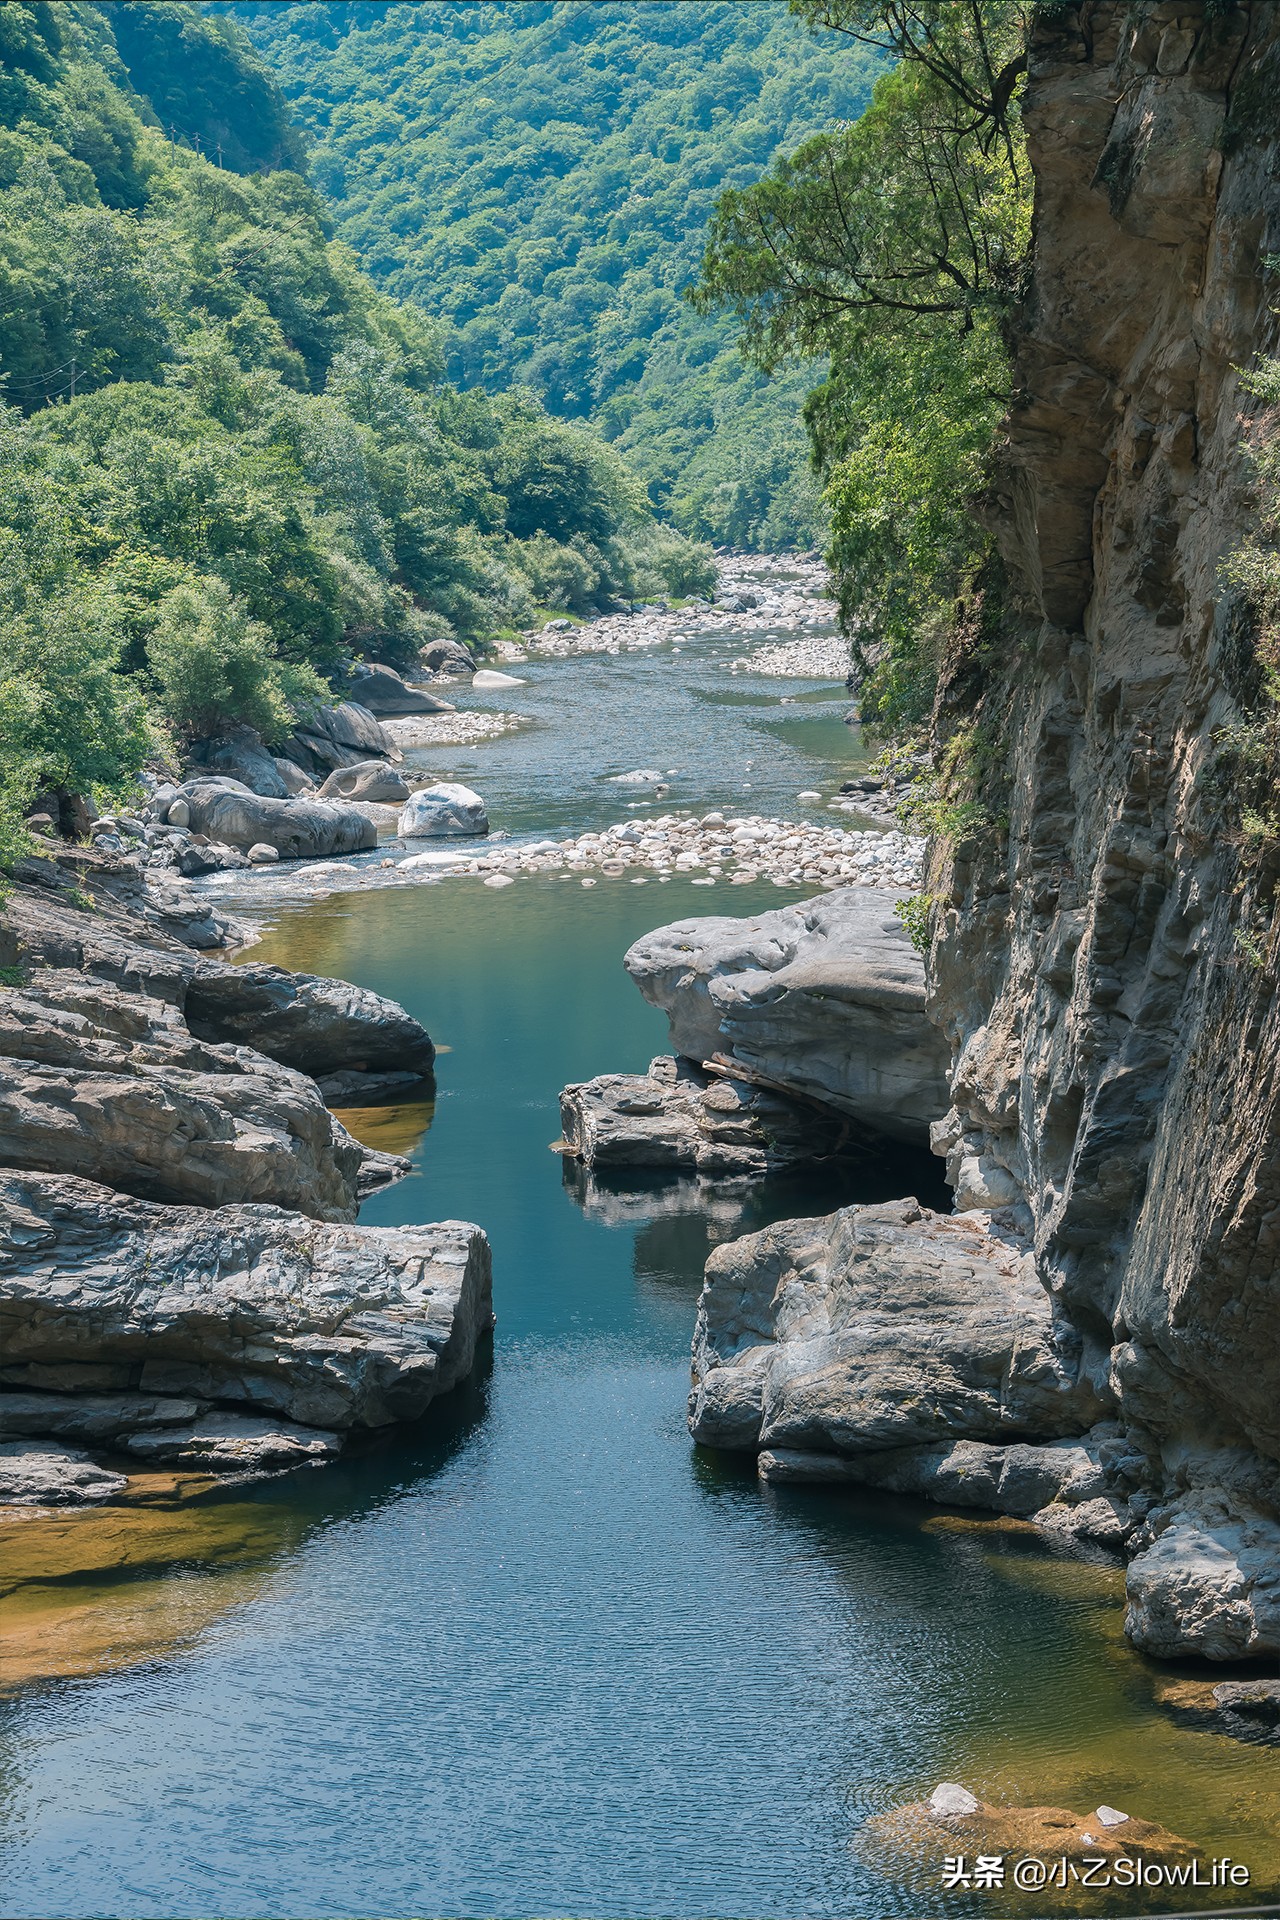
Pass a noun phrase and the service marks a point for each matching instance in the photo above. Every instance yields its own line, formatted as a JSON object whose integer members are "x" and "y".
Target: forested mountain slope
{"x": 229, "y": 464}
{"x": 541, "y": 176}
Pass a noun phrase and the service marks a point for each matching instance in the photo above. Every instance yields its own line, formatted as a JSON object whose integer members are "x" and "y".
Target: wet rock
{"x": 315, "y": 1025}
{"x": 879, "y": 1328}
{"x": 224, "y": 1442}
{"x": 335, "y": 1327}
{"x": 444, "y": 810}
{"x": 299, "y": 829}
{"x": 366, "y": 780}
{"x": 825, "y": 1000}
{"x": 1059, "y": 1484}
{"x": 35, "y": 1473}
{"x": 680, "y": 1118}
{"x": 380, "y": 690}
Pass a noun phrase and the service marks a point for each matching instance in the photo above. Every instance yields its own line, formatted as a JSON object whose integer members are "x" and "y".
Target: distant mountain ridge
{"x": 539, "y": 176}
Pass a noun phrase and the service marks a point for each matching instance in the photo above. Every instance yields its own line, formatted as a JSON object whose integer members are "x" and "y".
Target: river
{"x": 544, "y": 1656}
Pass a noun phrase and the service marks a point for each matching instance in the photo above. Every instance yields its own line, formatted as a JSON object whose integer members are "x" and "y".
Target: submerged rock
{"x": 824, "y": 1000}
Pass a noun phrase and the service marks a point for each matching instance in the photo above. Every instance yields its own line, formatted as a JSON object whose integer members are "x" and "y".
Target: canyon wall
{"x": 1102, "y": 960}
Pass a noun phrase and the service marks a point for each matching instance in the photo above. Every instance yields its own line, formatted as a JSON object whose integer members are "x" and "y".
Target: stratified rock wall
{"x": 1117, "y": 1041}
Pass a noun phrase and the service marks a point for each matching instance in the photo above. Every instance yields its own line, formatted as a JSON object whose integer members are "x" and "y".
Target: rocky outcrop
{"x": 240, "y": 755}
{"x": 102, "y": 1083}
{"x": 681, "y": 1119}
{"x": 332, "y": 1327}
{"x": 380, "y": 689}
{"x": 880, "y": 1328}
{"x": 210, "y": 1331}
{"x": 315, "y": 1025}
{"x": 824, "y": 1000}
{"x": 338, "y": 736}
{"x": 1103, "y": 955}
{"x": 299, "y": 828}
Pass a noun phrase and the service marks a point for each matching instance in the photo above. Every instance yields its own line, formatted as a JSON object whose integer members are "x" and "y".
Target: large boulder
{"x": 448, "y": 657}
{"x": 367, "y": 780}
{"x": 445, "y": 810}
{"x": 333, "y": 1327}
{"x": 241, "y": 756}
{"x": 879, "y": 1328}
{"x": 381, "y": 690}
{"x": 679, "y": 1118}
{"x": 825, "y": 1000}
{"x": 338, "y": 736}
{"x": 298, "y": 829}
{"x": 315, "y": 1025}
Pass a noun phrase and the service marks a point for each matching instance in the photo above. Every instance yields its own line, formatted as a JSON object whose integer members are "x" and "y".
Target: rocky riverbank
{"x": 180, "y": 1280}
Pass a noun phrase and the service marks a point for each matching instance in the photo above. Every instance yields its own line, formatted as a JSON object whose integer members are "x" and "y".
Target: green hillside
{"x": 229, "y": 464}
{"x": 541, "y": 176}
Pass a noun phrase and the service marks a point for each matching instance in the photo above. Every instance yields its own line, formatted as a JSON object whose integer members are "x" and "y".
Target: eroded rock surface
{"x": 878, "y": 1328}
{"x": 332, "y": 1327}
{"x": 300, "y": 828}
{"x": 678, "y": 1118}
{"x": 825, "y": 1000}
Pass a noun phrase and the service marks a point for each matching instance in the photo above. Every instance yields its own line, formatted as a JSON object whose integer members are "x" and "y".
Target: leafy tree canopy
{"x": 229, "y": 464}
{"x": 541, "y": 176}
{"x": 892, "y": 247}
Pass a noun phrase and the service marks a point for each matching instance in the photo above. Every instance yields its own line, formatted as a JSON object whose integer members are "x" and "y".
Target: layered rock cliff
{"x": 1102, "y": 960}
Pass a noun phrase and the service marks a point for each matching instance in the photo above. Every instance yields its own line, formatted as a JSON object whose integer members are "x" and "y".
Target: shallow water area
{"x": 543, "y": 1656}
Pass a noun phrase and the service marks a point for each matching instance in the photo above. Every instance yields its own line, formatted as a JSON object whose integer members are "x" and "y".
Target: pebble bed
{"x": 735, "y": 849}
{"x": 460, "y": 729}
{"x": 823, "y": 656}
{"x": 798, "y": 604}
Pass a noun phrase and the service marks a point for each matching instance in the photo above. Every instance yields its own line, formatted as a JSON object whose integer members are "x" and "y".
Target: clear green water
{"x": 544, "y": 1657}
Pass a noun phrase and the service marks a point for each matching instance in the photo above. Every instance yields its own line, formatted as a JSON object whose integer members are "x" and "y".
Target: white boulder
{"x": 446, "y": 810}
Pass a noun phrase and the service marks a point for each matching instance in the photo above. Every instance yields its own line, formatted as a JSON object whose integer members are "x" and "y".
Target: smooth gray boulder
{"x": 298, "y": 829}
{"x": 447, "y": 657}
{"x": 370, "y": 780}
{"x": 444, "y": 811}
{"x": 326, "y": 737}
{"x": 36, "y": 1473}
{"x": 381, "y": 690}
{"x": 295, "y": 780}
{"x": 677, "y": 1117}
{"x": 878, "y": 1328}
{"x": 240, "y": 755}
{"x": 335, "y": 1327}
{"x": 824, "y": 1000}
{"x": 315, "y": 1025}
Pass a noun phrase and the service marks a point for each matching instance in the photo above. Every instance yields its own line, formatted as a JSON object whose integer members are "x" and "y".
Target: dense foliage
{"x": 893, "y": 248}
{"x": 228, "y": 463}
{"x": 541, "y": 175}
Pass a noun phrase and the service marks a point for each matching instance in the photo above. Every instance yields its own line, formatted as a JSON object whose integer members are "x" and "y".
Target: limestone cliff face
{"x": 1116, "y": 1043}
